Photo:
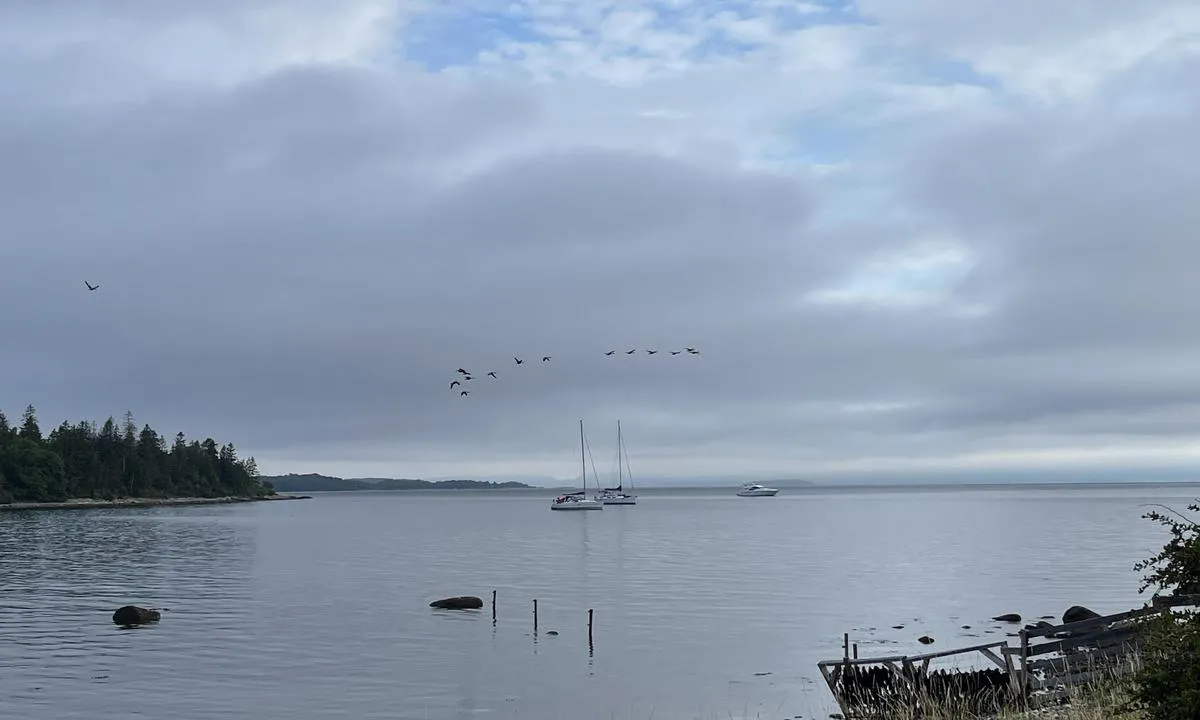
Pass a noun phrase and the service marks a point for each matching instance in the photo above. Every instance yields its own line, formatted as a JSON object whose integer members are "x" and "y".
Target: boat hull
{"x": 626, "y": 500}
{"x": 757, "y": 493}
{"x": 578, "y": 505}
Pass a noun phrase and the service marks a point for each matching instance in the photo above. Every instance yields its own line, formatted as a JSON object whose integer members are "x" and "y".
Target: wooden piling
{"x": 855, "y": 651}
{"x": 845, "y": 646}
{"x": 591, "y": 647}
{"x": 535, "y": 615}
{"x": 493, "y": 607}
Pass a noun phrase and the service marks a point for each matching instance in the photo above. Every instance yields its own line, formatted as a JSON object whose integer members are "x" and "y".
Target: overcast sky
{"x": 903, "y": 234}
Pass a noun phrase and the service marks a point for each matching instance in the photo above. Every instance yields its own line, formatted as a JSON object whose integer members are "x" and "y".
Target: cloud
{"x": 895, "y": 245}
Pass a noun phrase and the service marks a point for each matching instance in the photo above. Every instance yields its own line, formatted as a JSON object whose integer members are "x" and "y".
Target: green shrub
{"x": 1168, "y": 683}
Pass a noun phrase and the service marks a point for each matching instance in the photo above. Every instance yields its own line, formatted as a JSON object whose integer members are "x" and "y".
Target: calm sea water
{"x": 706, "y": 605}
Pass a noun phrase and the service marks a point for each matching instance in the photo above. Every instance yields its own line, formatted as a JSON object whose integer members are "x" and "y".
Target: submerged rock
{"x": 925, "y": 640}
{"x": 131, "y": 615}
{"x": 1078, "y": 613}
{"x": 462, "y": 602}
{"x": 1008, "y": 617}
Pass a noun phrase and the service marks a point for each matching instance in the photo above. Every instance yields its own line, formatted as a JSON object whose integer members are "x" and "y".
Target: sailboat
{"x": 617, "y": 495}
{"x": 578, "y": 500}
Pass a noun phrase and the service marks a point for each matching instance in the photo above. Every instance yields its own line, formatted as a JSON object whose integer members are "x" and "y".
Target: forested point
{"x": 80, "y": 462}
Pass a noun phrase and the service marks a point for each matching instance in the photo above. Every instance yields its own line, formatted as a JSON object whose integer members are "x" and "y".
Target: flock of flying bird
{"x": 466, "y": 376}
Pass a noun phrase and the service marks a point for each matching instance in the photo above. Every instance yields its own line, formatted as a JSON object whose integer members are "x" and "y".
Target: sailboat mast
{"x": 620, "y": 476}
{"x": 582, "y": 458}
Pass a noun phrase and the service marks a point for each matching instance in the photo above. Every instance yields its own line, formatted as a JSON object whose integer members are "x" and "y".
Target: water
{"x": 318, "y": 609}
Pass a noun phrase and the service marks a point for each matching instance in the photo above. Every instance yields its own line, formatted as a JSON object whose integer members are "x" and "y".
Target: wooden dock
{"x": 1044, "y": 666}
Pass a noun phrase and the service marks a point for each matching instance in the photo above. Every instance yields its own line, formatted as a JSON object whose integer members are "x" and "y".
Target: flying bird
{"x": 91, "y": 286}
{"x": 463, "y": 372}
{"x": 492, "y": 374}
{"x": 630, "y": 352}
{"x": 465, "y": 393}
{"x": 454, "y": 383}
{"x": 467, "y": 377}
{"x": 546, "y": 358}
{"x": 519, "y": 360}
{"x": 693, "y": 352}
{"x": 676, "y": 352}
{"x": 611, "y": 352}
{"x": 651, "y": 352}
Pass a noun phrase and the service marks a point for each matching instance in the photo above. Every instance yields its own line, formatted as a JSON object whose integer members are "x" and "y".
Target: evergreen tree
{"x": 79, "y": 461}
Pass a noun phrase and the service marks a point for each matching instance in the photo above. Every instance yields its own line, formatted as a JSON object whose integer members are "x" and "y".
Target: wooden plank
{"x": 959, "y": 651}
{"x": 1107, "y": 619}
{"x": 1107, "y": 655}
{"x": 1074, "y": 680}
{"x": 987, "y": 653}
{"x": 863, "y": 661}
{"x": 1098, "y": 642}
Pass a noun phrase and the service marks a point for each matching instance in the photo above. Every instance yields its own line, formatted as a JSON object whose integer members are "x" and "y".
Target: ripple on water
{"x": 319, "y": 609}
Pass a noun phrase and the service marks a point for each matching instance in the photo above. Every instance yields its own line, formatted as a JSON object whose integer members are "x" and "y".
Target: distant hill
{"x": 312, "y": 482}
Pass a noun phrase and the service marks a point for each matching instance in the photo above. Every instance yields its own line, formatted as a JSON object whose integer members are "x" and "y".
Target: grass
{"x": 1107, "y": 698}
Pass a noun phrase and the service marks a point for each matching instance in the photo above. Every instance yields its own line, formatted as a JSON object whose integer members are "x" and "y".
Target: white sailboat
{"x": 577, "y": 500}
{"x": 617, "y": 495}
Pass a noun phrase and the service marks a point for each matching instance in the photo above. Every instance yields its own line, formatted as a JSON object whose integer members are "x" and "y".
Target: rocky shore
{"x": 91, "y": 504}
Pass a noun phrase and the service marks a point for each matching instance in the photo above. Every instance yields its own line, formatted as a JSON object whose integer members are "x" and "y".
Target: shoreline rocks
{"x": 90, "y": 504}
{"x": 131, "y": 615}
{"x": 461, "y": 602}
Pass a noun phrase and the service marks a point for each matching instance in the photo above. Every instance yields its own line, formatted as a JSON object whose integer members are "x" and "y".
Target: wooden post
{"x": 855, "y": 651}
{"x": 535, "y": 616}
{"x": 591, "y": 648}
{"x": 493, "y": 607}
{"x": 845, "y": 646}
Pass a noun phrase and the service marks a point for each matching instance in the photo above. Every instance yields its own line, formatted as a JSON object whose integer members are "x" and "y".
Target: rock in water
{"x": 131, "y": 615}
{"x": 925, "y": 640}
{"x": 1078, "y": 613}
{"x": 1009, "y": 617}
{"x": 464, "y": 602}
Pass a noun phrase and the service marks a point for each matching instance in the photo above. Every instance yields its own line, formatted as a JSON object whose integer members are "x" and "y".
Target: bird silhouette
{"x": 676, "y": 352}
{"x": 467, "y": 377}
{"x": 90, "y": 286}
{"x": 546, "y": 358}
{"x": 651, "y": 352}
{"x": 454, "y": 383}
{"x": 465, "y": 393}
{"x": 519, "y": 360}
{"x": 630, "y": 352}
{"x": 463, "y": 372}
{"x": 693, "y": 352}
{"x": 611, "y": 352}
{"x": 492, "y": 374}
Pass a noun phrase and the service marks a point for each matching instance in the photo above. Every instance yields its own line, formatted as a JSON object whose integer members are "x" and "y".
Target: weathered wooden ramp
{"x": 1045, "y": 666}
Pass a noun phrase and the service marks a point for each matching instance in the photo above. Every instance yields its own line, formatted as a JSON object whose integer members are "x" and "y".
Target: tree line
{"x": 116, "y": 461}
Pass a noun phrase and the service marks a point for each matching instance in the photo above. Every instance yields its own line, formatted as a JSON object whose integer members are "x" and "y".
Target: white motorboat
{"x": 617, "y": 495}
{"x": 756, "y": 490}
{"x": 577, "y": 500}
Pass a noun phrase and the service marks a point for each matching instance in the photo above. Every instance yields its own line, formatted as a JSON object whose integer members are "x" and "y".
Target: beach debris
{"x": 1008, "y": 617}
{"x": 925, "y": 640}
{"x": 130, "y": 615}
{"x": 461, "y": 602}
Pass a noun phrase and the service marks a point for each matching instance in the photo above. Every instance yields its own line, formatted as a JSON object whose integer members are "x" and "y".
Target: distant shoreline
{"x": 90, "y": 504}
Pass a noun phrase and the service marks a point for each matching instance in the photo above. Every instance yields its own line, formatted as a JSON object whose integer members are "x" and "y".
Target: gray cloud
{"x": 298, "y": 259}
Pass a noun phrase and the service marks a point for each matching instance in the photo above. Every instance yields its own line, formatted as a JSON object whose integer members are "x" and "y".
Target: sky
{"x": 905, "y": 235}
